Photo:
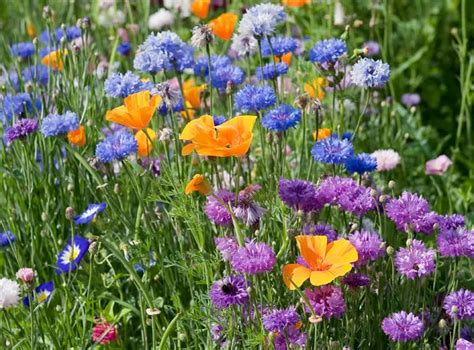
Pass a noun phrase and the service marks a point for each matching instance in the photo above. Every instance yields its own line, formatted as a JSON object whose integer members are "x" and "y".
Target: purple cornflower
{"x": 281, "y": 118}
{"x": 372, "y": 47}
{"x": 449, "y": 222}
{"x": 227, "y": 246}
{"x": 231, "y": 290}
{"x": 408, "y": 212}
{"x": 369, "y": 246}
{"x": 460, "y": 305}
{"x": 21, "y": 129}
{"x": 278, "y": 320}
{"x": 291, "y": 336}
{"x": 332, "y": 150}
{"x": 247, "y": 209}
{"x": 38, "y": 74}
{"x": 402, "y": 327}
{"x": 252, "y": 98}
{"x": 463, "y": 344}
{"x": 201, "y": 66}
{"x": 411, "y": 99}
{"x": 6, "y": 239}
{"x": 368, "y": 73}
{"x": 152, "y": 165}
{"x": 327, "y": 51}
{"x": 356, "y": 280}
{"x": 298, "y": 194}
{"x": 320, "y": 230}
{"x": 253, "y": 258}
{"x": 124, "y": 49}
{"x": 215, "y": 211}
{"x": 456, "y": 242}
{"x": 415, "y": 260}
{"x": 326, "y": 301}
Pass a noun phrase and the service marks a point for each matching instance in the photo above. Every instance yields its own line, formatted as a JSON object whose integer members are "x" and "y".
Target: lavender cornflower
{"x": 415, "y": 260}
{"x": 326, "y": 301}
{"x": 251, "y": 98}
{"x": 261, "y": 20}
{"x": 332, "y": 150}
{"x": 271, "y": 71}
{"x": 281, "y": 118}
{"x": 367, "y": 73}
{"x": 244, "y": 44}
{"x": 123, "y": 85}
{"x": 231, "y": 290}
{"x": 402, "y": 327}
{"x": 361, "y": 163}
{"x": 227, "y": 246}
{"x": 280, "y": 45}
{"x": 372, "y": 47}
{"x": 298, "y": 194}
{"x": 214, "y": 209}
{"x": 410, "y": 100}
{"x": 463, "y": 344}
{"x": 153, "y": 165}
{"x": 369, "y": 246}
{"x": 23, "y": 50}
{"x": 247, "y": 209}
{"x": 58, "y": 124}
{"x": 253, "y": 258}
{"x": 116, "y": 147}
{"x": 202, "y": 36}
{"x": 327, "y": 51}
{"x": 460, "y": 305}
{"x": 356, "y": 280}
{"x": 456, "y": 242}
{"x": 278, "y": 320}
{"x": 21, "y": 129}
{"x": 320, "y": 230}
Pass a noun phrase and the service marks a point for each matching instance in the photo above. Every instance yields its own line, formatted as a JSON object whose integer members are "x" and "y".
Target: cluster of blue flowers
{"x": 116, "y": 147}
{"x": 327, "y": 51}
{"x": 271, "y": 71}
{"x": 58, "y": 124}
{"x": 123, "y": 85}
{"x": 18, "y": 105}
{"x": 281, "y": 118}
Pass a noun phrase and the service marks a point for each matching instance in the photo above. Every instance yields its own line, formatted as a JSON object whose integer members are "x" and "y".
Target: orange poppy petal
{"x": 320, "y": 278}
{"x": 187, "y": 150}
{"x": 340, "y": 251}
{"x": 340, "y": 270}
{"x": 312, "y": 248}
{"x": 295, "y": 274}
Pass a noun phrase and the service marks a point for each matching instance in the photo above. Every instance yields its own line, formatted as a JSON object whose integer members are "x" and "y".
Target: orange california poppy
{"x": 143, "y": 141}
{"x": 191, "y": 111}
{"x": 200, "y": 8}
{"x": 232, "y": 138}
{"x": 30, "y": 29}
{"x": 198, "y": 184}
{"x": 315, "y": 89}
{"x": 54, "y": 59}
{"x": 77, "y": 137}
{"x": 321, "y": 134}
{"x": 192, "y": 93}
{"x": 295, "y": 3}
{"x": 286, "y": 58}
{"x": 223, "y": 26}
{"x": 136, "y": 112}
{"x": 323, "y": 262}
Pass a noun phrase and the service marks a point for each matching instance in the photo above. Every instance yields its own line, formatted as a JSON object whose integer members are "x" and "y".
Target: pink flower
{"x": 104, "y": 328}
{"x": 438, "y": 166}
{"x": 26, "y": 275}
{"x": 387, "y": 159}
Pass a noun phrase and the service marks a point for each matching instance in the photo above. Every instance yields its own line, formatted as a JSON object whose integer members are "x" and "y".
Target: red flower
{"x": 106, "y": 331}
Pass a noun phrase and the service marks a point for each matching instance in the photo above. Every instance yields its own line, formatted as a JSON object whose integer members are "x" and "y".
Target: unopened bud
{"x": 358, "y": 23}
{"x": 454, "y": 309}
{"x": 392, "y": 184}
{"x": 409, "y": 242}
{"x": 412, "y": 109}
{"x": 354, "y": 227}
{"x": 383, "y": 198}
{"x": 93, "y": 247}
{"x": 117, "y": 188}
{"x": 390, "y": 250}
{"x": 373, "y": 192}
{"x": 182, "y": 337}
{"x": 249, "y": 290}
{"x": 70, "y": 187}
{"x": 44, "y": 216}
{"x": 69, "y": 213}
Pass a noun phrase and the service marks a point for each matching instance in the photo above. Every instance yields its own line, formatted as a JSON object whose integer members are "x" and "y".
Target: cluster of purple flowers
{"x": 369, "y": 246}
{"x": 20, "y": 129}
{"x": 416, "y": 260}
{"x": 284, "y": 323}
{"x": 403, "y": 327}
{"x": 326, "y": 301}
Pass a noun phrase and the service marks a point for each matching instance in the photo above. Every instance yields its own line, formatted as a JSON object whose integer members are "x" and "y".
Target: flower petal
{"x": 296, "y": 273}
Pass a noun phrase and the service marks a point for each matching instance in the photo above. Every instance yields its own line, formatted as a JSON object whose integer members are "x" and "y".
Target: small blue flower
{"x": 23, "y": 50}
{"x": 271, "y": 71}
{"x": 261, "y": 20}
{"x": 361, "y": 163}
{"x": 72, "y": 254}
{"x": 280, "y": 46}
{"x": 123, "y": 85}
{"x": 116, "y": 147}
{"x": 42, "y": 293}
{"x": 37, "y": 74}
{"x": 331, "y": 150}
{"x": 89, "y": 214}
{"x": 138, "y": 268}
{"x": 281, "y": 118}
{"x": 221, "y": 76}
{"x": 368, "y": 73}
{"x": 58, "y": 124}
{"x": 201, "y": 67}
{"x": 252, "y": 98}
{"x": 219, "y": 119}
{"x": 71, "y": 34}
{"x": 178, "y": 106}
{"x": 6, "y": 238}
{"x": 16, "y": 105}
{"x": 124, "y": 49}
{"x": 327, "y": 51}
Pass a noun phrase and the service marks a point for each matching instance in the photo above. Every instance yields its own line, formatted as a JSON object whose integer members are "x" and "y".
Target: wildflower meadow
{"x": 218, "y": 174}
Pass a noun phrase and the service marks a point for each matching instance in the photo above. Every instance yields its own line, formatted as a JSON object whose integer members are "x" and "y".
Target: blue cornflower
{"x": 361, "y": 163}
{"x": 219, "y": 119}
{"x": 252, "y": 98}
{"x": 331, "y": 150}
{"x": 16, "y": 105}
{"x": 281, "y": 118}
{"x": 280, "y": 46}
{"x": 58, "y": 124}
{"x": 123, "y": 85}
{"x": 221, "y": 76}
{"x": 201, "y": 67}
{"x": 124, "y": 49}
{"x": 163, "y": 51}
{"x": 178, "y": 106}
{"x": 327, "y": 51}
{"x": 23, "y": 50}
{"x": 6, "y": 238}
{"x": 271, "y": 71}
{"x": 42, "y": 293}
{"x": 116, "y": 147}
{"x": 368, "y": 73}
{"x": 138, "y": 268}
{"x": 72, "y": 254}
{"x": 72, "y": 33}
{"x": 37, "y": 74}
{"x": 261, "y": 20}
{"x": 89, "y": 214}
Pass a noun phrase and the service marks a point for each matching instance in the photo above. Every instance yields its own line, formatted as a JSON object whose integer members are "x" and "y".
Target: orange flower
{"x": 144, "y": 143}
{"x": 54, "y": 59}
{"x": 191, "y": 111}
{"x": 315, "y": 88}
{"x": 192, "y": 93}
{"x": 232, "y": 138}
{"x": 223, "y": 26}
{"x": 200, "y": 8}
{"x": 136, "y": 112}
{"x": 321, "y": 134}
{"x": 286, "y": 58}
{"x": 30, "y": 29}
{"x": 198, "y": 184}
{"x": 324, "y": 262}
{"x": 77, "y": 137}
{"x": 295, "y": 3}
